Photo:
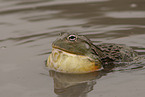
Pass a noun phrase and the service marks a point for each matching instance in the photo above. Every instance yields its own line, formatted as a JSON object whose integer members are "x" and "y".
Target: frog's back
{"x": 115, "y": 53}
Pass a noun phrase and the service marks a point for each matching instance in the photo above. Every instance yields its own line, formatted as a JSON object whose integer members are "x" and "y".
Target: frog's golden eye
{"x": 72, "y": 37}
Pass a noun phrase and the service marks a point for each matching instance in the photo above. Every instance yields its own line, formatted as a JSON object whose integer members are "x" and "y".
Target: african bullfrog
{"x": 73, "y": 53}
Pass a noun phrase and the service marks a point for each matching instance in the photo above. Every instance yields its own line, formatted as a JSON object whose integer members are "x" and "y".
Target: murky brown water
{"x": 27, "y": 29}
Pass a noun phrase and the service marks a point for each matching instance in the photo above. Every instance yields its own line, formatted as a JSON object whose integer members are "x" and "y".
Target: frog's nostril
{"x": 72, "y": 37}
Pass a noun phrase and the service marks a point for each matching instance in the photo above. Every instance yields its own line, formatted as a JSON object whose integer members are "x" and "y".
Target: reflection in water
{"x": 74, "y": 85}
{"x": 28, "y": 27}
{"x": 78, "y": 85}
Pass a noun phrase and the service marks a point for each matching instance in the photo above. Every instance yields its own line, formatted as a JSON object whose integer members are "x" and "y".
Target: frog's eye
{"x": 72, "y": 37}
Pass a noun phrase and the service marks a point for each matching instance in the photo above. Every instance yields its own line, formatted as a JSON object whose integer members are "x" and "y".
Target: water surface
{"x": 29, "y": 27}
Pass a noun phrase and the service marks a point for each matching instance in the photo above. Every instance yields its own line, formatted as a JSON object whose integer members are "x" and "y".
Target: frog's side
{"x": 112, "y": 54}
{"x": 69, "y": 49}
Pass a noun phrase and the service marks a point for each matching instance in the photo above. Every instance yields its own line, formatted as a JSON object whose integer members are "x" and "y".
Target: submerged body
{"x": 74, "y": 53}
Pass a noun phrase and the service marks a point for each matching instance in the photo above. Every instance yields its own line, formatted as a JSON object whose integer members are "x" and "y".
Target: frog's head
{"x": 72, "y": 53}
{"x": 72, "y": 43}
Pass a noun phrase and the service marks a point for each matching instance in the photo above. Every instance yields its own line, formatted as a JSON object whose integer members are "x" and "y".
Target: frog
{"x": 74, "y": 53}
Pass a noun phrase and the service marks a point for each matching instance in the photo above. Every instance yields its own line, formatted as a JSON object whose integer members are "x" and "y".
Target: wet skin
{"x": 73, "y": 53}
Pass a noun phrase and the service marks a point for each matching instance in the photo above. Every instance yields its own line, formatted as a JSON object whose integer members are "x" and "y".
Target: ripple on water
{"x": 29, "y": 27}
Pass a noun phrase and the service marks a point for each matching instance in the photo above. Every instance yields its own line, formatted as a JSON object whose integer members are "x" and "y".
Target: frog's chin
{"x": 65, "y": 62}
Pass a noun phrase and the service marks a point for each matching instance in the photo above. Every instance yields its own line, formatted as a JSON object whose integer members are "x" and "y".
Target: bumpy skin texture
{"x": 115, "y": 53}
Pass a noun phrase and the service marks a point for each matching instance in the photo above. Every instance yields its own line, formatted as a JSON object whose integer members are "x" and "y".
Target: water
{"x": 29, "y": 27}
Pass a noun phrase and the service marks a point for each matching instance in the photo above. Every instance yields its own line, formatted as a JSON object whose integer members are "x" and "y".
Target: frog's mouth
{"x": 68, "y": 51}
{"x": 66, "y": 62}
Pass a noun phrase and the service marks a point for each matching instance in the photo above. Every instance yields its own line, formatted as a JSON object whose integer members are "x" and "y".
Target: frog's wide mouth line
{"x": 56, "y": 47}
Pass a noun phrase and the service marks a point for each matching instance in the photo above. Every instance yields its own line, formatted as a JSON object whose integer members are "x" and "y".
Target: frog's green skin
{"x": 108, "y": 53}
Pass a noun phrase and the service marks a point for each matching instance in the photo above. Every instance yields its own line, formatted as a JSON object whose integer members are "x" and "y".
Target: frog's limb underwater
{"x": 73, "y": 53}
